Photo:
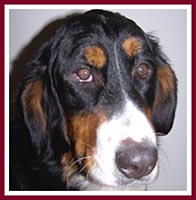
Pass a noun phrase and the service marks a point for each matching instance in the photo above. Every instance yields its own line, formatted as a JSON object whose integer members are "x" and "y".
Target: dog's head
{"x": 97, "y": 94}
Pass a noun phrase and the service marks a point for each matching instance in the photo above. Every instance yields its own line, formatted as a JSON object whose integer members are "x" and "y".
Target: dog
{"x": 92, "y": 103}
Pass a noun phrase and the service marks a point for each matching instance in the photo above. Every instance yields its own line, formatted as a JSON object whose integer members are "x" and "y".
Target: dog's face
{"x": 109, "y": 89}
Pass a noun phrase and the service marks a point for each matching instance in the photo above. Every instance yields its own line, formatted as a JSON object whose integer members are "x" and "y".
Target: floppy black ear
{"x": 164, "y": 106}
{"x": 42, "y": 111}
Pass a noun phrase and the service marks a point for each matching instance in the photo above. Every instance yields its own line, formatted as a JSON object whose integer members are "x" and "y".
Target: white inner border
{"x": 188, "y": 8}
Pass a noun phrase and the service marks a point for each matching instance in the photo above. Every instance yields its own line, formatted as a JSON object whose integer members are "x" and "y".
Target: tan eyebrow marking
{"x": 132, "y": 46}
{"x": 95, "y": 56}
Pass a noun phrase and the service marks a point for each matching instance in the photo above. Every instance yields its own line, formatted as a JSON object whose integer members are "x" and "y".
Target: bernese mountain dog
{"x": 93, "y": 101}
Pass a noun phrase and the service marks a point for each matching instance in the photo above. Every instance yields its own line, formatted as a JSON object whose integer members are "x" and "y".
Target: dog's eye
{"x": 142, "y": 70}
{"x": 85, "y": 75}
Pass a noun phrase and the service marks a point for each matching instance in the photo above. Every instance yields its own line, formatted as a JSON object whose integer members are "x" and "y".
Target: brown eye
{"x": 84, "y": 75}
{"x": 142, "y": 70}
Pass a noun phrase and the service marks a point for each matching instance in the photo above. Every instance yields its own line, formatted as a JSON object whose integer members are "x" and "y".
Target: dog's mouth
{"x": 100, "y": 179}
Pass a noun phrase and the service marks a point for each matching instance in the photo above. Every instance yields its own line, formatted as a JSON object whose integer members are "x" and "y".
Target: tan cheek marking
{"x": 132, "y": 46}
{"x": 148, "y": 112}
{"x": 83, "y": 128}
{"x": 31, "y": 98}
{"x": 95, "y": 57}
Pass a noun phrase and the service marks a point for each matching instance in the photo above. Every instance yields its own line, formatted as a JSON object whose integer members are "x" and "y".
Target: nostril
{"x": 136, "y": 160}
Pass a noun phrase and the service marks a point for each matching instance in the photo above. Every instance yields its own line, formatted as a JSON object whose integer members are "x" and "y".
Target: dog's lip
{"x": 119, "y": 180}
{"x": 129, "y": 182}
{"x": 122, "y": 182}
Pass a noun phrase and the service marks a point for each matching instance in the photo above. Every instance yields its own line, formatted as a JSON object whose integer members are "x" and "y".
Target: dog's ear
{"x": 42, "y": 111}
{"x": 165, "y": 99}
{"x": 164, "y": 106}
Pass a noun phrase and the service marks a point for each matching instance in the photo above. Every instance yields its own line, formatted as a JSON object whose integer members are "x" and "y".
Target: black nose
{"x": 136, "y": 160}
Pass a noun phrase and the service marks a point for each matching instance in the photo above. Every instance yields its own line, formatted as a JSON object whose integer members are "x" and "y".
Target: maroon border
{"x": 4, "y": 2}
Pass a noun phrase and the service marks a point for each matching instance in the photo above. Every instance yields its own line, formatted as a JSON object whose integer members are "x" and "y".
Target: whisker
{"x": 83, "y": 168}
{"x": 79, "y": 160}
{"x": 88, "y": 172}
{"x": 86, "y": 144}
